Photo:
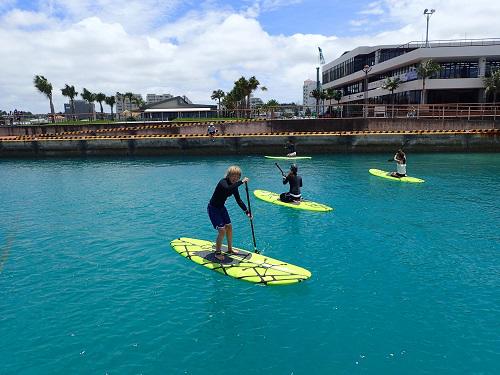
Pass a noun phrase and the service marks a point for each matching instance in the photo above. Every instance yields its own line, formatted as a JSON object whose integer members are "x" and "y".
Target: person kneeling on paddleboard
{"x": 217, "y": 210}
{"x": 400, "y": 159}
{"x": 291, "y": 149}
{"x": 295, "y": 181}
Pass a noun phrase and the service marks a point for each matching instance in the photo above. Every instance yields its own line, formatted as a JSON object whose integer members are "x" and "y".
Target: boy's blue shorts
{"x": 218, "y": 216}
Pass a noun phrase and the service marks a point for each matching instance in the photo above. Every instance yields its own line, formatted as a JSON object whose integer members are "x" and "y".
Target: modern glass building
{"x": 463, "y": 63}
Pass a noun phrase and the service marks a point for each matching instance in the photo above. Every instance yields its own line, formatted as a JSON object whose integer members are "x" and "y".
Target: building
{"x": 308, "y": 100}
{"x": 83, "y": 110}
{"x": 463, "y": 63}
{"x": 178, "y": 107}
{"x": 124, "y": 104}
{"x": 155, "y": 98}
{"x": 255, "y": 102}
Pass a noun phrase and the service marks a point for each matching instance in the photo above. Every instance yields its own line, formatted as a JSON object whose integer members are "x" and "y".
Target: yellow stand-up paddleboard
{"x": 288, "y": 157}
{"x": 271, "y": 197}
{"x": 384, "y": 174}
{"x": 252, "y": 267}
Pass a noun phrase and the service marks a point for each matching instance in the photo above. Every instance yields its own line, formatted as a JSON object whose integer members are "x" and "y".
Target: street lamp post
{"x": 428, "y": 13}
{"x": 366, "y": 69}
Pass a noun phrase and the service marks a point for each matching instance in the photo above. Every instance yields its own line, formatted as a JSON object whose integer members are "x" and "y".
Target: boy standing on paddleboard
{"x": 217, "y": 210}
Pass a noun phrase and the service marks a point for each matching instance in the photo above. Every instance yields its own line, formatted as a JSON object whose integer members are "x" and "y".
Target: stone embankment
{"x": 251, "y": 137}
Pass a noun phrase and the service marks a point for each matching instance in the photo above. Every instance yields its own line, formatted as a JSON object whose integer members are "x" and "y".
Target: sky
{"x": 193, "y": 47}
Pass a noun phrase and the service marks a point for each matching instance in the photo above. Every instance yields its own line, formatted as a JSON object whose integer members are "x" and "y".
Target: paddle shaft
{"x": 251, "y": 220}
{"x": 281, "y": 170}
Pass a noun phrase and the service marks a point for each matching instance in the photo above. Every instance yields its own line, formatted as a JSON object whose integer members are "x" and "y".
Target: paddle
{"x": 281, "y": 170}
{"x": 251, "y": 220}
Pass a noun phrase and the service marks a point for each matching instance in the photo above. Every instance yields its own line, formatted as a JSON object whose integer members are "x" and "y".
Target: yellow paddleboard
{"x": 384, "y": 174}
{"x": 271, "y": 197}
{"x": 247, "y": 266}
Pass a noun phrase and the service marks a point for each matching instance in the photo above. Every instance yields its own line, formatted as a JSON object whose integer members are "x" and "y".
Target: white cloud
{"x": 374, "y": 8}
{"x": 200, "y": 52}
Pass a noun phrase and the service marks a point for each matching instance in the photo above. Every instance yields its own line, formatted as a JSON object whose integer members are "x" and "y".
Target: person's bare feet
{"x": 219, "y": 255}
{"x": 233, "y": 252}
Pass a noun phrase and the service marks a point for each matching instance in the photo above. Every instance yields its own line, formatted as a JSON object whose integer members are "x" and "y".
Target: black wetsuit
{"x": 290, "y": 147}
{"x": 294, "y": 194}
{"x": 224, "y": 190}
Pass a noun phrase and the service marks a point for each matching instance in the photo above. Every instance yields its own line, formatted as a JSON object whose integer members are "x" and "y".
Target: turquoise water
{"x": 406, "y": 277}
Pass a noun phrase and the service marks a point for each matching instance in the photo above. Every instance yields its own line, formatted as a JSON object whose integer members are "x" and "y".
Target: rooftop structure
{"x": 463, "y": 65}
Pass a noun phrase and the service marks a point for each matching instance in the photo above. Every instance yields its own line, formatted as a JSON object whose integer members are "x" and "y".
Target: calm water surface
{"x": 406, "y": 277}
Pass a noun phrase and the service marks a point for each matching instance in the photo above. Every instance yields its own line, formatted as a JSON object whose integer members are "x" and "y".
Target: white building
{"x": 308, "y": 100}
{"x": 155, "y": 98}
{"x": 123, "y": 103}
{"x": 464, "y": 63}
{"x": 255, "y": 102}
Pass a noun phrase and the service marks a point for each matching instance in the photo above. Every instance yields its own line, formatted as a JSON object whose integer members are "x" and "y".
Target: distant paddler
{"x": 400, "y": 159}
{"x": 290, "y": 146}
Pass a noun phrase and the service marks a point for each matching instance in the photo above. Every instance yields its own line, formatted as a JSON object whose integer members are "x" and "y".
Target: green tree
{"x": 316, "y": 94}
{"x": 99, "y": 98}
{"x": 253, "y": 84}
{"x": 425, "y": 70}
{"x": 110, "y": 100}
{"x": 229, "y": 102}
{"x": 492, "y": 84}
{"x": 129, "y": 96}
{"x": 218, "y": 95}
{"x": 337, "y": 96}
{"x": 45, "y": 87}
{"x": 70, "y": 92}
{"x": 392, "y": 84}
{"x": 139, "y": 102}
{"x": 89, "y": 97}
{"x": 272, "y": 105}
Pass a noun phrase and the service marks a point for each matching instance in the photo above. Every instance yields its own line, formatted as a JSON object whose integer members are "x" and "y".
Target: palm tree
{"x": 323, "y": 96}
{"x": 316, "y": 94}
{"x": 337, "y": 96}
{"x": 99, "y": 98}
{"x": 139, "y": 102}
{"x": 45, "y": 87}
{"x": 89, "y": 97}
{"x": 229, "y": 101}
{"x": 272, "y": 104}
{"x": 70, "y": 92}
{"x": 492, "y": 84}
{"x": 239, "y": 93}
{"x": 242, "y": 90}
{"x": 392, "y": 84}
{"x": 110, "y": 100}
{"x": 253, "y": 83}
{"x": 218, "y": 95}
{"x": 129, "y": 96}
{"x": 263, "y": 88}
{"x": 427, "y": 69}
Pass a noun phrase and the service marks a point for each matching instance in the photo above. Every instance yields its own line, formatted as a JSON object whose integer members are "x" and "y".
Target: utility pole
{"x": 366, "y": 69}
{"x": 318, "y": 88}
{"x": 428, "y": 13}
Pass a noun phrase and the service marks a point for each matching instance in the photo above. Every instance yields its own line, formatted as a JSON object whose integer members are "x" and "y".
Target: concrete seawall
{"x": 262, "y": 144}
{"x": 254, "y": 127}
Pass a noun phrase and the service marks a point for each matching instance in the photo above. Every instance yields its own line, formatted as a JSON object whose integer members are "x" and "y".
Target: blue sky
{"x": 186, "y": 47}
